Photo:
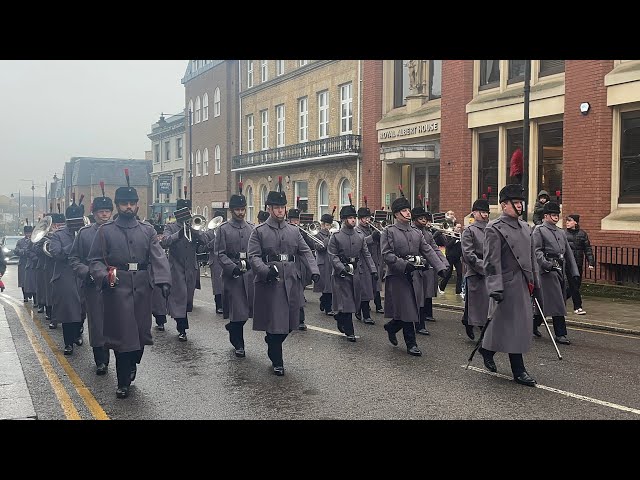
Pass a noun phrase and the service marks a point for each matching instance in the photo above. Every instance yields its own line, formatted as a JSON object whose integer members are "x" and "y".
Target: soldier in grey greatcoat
{"x": 214, "y": 267}
{"x": 323, "y": 286}
{"x": 511, "y": 279}
{"x": 21, "y": 251}
{"x": 405, "y": 251}
{"x": 421, "y": 219}
{"x": 159, "y": 308}
{"x": 232, "y": 240}
{"x": 101, "y": 208}
{"x": 477, "y": 296}
{"x": 185, "y": 269}
{"x": 120, "y": 257}
{"x": 57, "y": 222}
{"x": 555, "y": 261}
{"x": 273, "y": 248}
{"x": 67, "y": 302}
{"x": 30, "y": 271}
{"x": 369, "y": 289}
{"x": 347, "y": 251}
{"x": 41, "y": 280}
{"x": 293, "y": 215}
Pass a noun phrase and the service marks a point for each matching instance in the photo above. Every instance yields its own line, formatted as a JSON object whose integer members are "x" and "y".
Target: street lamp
{"x": 525, "y": 137}
{"x": 19, "y": 204}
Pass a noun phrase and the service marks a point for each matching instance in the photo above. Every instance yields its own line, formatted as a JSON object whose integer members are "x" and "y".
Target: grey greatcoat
{"x": 324, "y": 265}
{"x": 549, "y": 239}
{"x": 276, "y": 305}
{"x": 41, "y": 276}
{"x": 472, "y": 241}
{"x": 232, "y": 240}
{"x": 367, "y": 288}
{"x": 127, "y": 306}
{"x": 67, "y": 304}
{"x": 214, "y": 262}
{"x": 30, "y": 268}
{"x": 21, "y": 252}
{"x": 49, "y": 263}
{"x": 184, "y": 269}
{"x": 78, "y": 259}
{"x": 397, "y": 241}
{"x": 430, "y": 275}
{"x": 374, "y": 250}
{"x": 347, "y": 292}
{"x": 509, "y": 266}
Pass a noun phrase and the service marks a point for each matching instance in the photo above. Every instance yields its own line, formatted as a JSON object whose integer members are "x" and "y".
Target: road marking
{"x": 602, "y": 332}
{"x": 563, "y": 392}
{"x": 325, "y": 330}
{"x": 89, "y": 400}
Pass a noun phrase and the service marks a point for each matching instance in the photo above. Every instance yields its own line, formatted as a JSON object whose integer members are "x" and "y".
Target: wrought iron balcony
{"x": 339, "y": 147}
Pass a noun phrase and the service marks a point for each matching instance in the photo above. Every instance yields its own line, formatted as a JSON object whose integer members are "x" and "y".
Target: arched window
{"x": 345, "y": 190}
{"x": 216, "y": 158}
{"x": 205, "y": 212}
{"x": 205, "y": 107}
{"x": 205, "y": 162}
{"x": 198, "y": 163}
{"x": 216, "y": 102}
{"x": 191, "y": 110}
{"x": 263, "y": 196}
{"x": 197, "y": 110}
{"x": 197, "y": 212}
{"x": 323, "y": 199}
{"x": 250, "y": 208}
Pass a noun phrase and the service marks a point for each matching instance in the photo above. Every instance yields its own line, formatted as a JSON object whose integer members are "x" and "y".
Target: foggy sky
{"x": 52, "y": 110}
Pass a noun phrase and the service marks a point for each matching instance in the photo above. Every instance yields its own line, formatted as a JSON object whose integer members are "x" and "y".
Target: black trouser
{"x": 274, "y": 347}
{"x": 345, "y": 323}
{"x": 453, "y": 262}
{"x": 101, "y": 355}
{"x": 325, "y": 302}
{"x": 574, "y": 291}
{"x": 365, "y": 309}
{"x": 428, "y": 308}
{"x": 47, "y": 311}
{"x": 236, "y": 334}
{"x": 301, "y": 314}
{"x": 160, "y": 319}
{"x": 408, "y": 331}
{"x": 125, "y": 363}
{"x": 465, "y": 314}
{"x": 515, "y": 359}
{"x": 25, "y": 295}
{"x": 377, "y": 300}
{"x": 218, "y": 299}
{"x": 182, "y": 324}
{"x": 70, "y": 332}
{"x": 559, "y": 324}
{"x": 422, "y": 319}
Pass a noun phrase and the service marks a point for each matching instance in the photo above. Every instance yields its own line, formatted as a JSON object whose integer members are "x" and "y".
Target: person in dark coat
{"x": 511, "y": 278}
{"x": 369, "y": 290}
{"x": 57, "y": 222}
{"x": 347, "y": 253}
{"x": 453, "y": 252}
{"x": 101, "y": 209}
{"x": 323, "y": 286}
{"x": 30, "y": 271}
{"x": 183, "y": 260}
{"x": 273, "y": 248}
{"x": 159, "y": 308}
{"x": 120, "y": 257}
{"x": 21, "y": 251}
{"x": 232, "y": 239}
{"x": 262, "y": 216}
{"x": 581, "y": 248}
{"x": 293, "y": 216}
{"x": 215, "y": 268}
{"x": 543, "y": 197}
{"x": 405, "y": 251}
{"x": 476, "y": 299}
{"x": 554, "y": 257}
{"x": 67, "y": 300}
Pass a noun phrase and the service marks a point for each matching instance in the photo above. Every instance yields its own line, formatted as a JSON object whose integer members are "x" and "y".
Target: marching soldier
{"x": 554, "y": 257}
{"x": 347, "y": 248}
{"x": 119, "y": 260}
{"x": 31, "y": 284}
{"x": 262, "y": 216}
{"x": 421, "y": 219}
{"x": 57, "y": 222}
{"x": 323, "y": 285}
{"x": 21, "y": 250}
{"x": 158, "y": 302}
{"x": 184, "y": 265}
{"x": 405, "y": 251}
{"x": 232, "y": 239}
{"x": 101, "y": 209}
{"x": 511, "y": 279}
{"x": 273, "y": 248}
{"x": 41, "y": 276}
{"x": 476, "y": 295}
{"x": 214, "y": 266}
{"x": 369, "y": 289}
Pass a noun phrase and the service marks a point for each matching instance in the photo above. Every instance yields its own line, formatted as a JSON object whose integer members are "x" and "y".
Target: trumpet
{"x": 446, "y": 231}
{"x": 195, "y": 222}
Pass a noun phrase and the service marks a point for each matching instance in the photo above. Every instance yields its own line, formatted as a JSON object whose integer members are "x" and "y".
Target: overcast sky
{"x": 52, "y": 110}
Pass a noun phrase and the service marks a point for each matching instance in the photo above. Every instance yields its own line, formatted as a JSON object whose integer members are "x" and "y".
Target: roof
{"x": 90, "y": 171}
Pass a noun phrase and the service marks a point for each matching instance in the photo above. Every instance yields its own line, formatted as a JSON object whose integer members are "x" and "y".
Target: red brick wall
{"x": 455, "y": 139}
{"x": 371, "y": 168}
{"x": 587, "y": 151}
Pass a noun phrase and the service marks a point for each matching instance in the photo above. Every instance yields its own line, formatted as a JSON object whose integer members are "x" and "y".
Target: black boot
{"x": 487, "y": 356}
{"x": 469, "y": 330}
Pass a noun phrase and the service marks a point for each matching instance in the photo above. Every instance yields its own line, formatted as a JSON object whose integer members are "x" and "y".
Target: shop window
{"x": 550, "y": 151}
{"x": 488, "y": 166}
{"x": 630, "y": 158}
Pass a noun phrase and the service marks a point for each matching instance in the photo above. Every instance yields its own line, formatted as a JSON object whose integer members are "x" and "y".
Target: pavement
{"x": 616, "y": 315}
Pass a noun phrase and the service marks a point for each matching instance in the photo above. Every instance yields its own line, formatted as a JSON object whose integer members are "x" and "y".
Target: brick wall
{"x": 371, "y": 114}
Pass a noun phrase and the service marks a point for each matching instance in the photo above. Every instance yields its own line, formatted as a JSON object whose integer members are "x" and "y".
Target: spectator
{"x": 453, "y": 254}
{"x": 516, "y": 166}
{"x": 580, "y": 246}
{"x": 543, "y": 197}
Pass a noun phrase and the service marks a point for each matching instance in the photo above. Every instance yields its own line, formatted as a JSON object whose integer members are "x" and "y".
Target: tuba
{"x": 40, "y": 231}
{"x": 215, "y": 223}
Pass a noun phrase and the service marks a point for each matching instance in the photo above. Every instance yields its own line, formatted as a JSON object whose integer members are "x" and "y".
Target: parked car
{"x": 7, "y": 244}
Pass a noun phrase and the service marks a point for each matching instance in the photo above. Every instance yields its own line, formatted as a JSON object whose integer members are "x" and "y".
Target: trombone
{"x": 312, "y": 231}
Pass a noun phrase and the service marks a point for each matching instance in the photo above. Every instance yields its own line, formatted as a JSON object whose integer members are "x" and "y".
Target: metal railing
{"x": 614, "y": 265}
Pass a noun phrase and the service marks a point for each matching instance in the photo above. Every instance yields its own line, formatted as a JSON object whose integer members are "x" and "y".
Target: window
{"x": 489, "y": 74}
{"x": 157, "y": 195}
{"x": 264, "y": 129}
{"x": 205, "y": 212}
{"x": 630, "y": 158}
{"x": 279, "y": 67}
{"x": 250, "y": 144}
{"x": 191, "y": 111}
{"x": 264, "y": 71}
{"x": 302, "y": 63}
{"x": 400, "y": 82}
{"x": 205, "y": 107}
{"x": 249, "y": 73}
{"x": 178, "y": 186}
{"x": 250, "y": 208}
{"x": 167, "y": 150}
{"x": 303, "y": 119}
{"x": 514, "y": 140}
{"x": 550, "y": 67}
{"x": 323, "y": 114}
{"x": 197, "y": 110}
{"x": 263, "y": 196}
{"x": 345, "y": 190}
{"x": 435, "y": 79}
{"x": 346, "y": 109}
{"x": 280, "y": 126}
{"x": 198, "y": 164}
{"x": 216, "y": 102}
{"x": 550, "y": 150}
{"x": 323, "y": 199}
{"x": 179, "y": 148}
{"x": 216, "y": 157}
{"x": 302, "y": 195}
{"x": 205, "y": 162}
{"x": 516, "y": 71}
{"x": 488, "y": 166}
{"x": 156, "y": 153}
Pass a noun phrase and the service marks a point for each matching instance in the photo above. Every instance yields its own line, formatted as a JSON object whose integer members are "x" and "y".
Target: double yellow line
{"x": 66, "y": 402}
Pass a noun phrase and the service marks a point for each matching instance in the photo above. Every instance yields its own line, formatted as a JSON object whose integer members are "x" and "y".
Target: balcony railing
{"x": 343, "y": 145}
{"x": 615, "y": 266}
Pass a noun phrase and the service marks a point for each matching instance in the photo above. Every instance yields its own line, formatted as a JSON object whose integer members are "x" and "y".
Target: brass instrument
{"x": 311, "y": 234}
{"x": 40, "y": 231}
{"x": 335, "y": 227}
{"x": 78, "y": 223}
{"x": 215, "y": 222}
{"x": 446, "y": 231}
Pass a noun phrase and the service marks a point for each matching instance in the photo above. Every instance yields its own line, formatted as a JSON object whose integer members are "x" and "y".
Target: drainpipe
{"x": 359, "y": 133}
{"x": 240, "y": 121}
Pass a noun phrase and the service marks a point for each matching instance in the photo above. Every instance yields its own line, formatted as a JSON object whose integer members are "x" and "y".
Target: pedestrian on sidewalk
{"x": 543, "y": 197}
{"x": 581, "y": 248}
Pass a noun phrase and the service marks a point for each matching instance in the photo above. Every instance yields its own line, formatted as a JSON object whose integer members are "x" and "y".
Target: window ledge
{"x": 623, "y": 218}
